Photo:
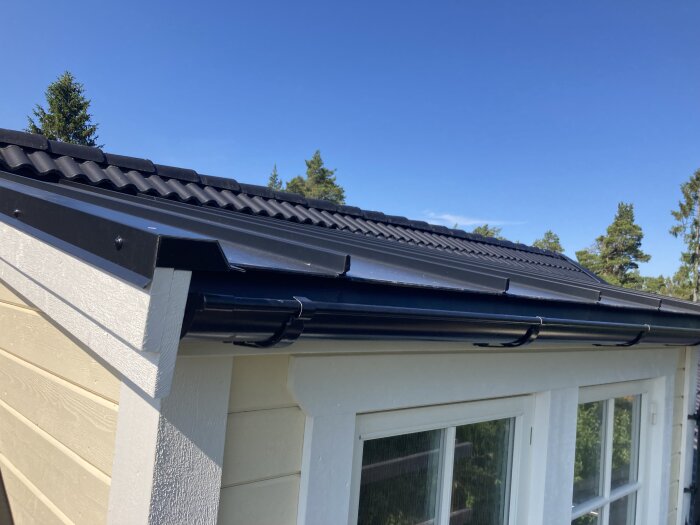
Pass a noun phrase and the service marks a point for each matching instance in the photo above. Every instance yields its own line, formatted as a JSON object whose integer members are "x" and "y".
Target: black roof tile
{"x": 20, "y": 138}
{"x": 76, "y": 150}
{"x": 132, "y": 163}
{"x": 176, "y": 173}
{"x": 23, "y": 151}
{"x": 220, "y": 183}
{"x": 260, "y": 191}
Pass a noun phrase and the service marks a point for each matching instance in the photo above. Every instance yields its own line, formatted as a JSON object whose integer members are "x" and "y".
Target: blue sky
{"x": 532, "y": 115}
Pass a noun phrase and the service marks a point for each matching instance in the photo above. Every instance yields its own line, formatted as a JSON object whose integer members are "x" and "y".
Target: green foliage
{"x": 67, "y": 118}
{"x": 319, "y": 183}
{"x": 615, "y": 255}
{"x": 274, "y": 182}
{"x": 687, "y": 227}
{"x": 485, "y": 230}
{"x": 682, "y": 284}
{"x": 480, "y": 477}
{"x": 590, "y": 439}
{"x": 549, "y": 241}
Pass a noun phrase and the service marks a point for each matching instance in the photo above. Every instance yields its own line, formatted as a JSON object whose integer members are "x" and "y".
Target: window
{"x": 448, "y": 465}
{"x": 607, "y": 480}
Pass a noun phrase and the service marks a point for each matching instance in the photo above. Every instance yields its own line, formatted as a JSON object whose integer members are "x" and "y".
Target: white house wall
{"x": 333, "y": 389}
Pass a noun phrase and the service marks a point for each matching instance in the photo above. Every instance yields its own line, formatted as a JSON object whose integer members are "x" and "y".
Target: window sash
{"x": 447, "y": 418}
{"x": 609, "y": 393}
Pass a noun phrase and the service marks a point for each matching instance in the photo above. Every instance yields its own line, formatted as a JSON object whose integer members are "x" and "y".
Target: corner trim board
{"x": 134, "y": 330}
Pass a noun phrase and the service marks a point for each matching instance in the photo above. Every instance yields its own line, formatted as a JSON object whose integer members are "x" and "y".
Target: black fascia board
{"x": 263, "y": 309}
{"x": 119, "y": 239}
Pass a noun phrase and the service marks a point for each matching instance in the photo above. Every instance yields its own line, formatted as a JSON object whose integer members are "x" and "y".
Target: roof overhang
{"x": 261, "y": 281}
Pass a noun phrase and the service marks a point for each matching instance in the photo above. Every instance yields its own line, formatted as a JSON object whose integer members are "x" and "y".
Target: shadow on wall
{"x": 5, "y": 514}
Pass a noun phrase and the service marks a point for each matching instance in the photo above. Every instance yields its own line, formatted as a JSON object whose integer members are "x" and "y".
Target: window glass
{"x": 607, "y": 452}
{"x": 624, "y": 438}
{"x": 590, "y": 518}
{"x": 480, "y": 477}
{"x": 622, "y": 511}
{"x": 399, "y": 479}
{"x": 589, "y": 451}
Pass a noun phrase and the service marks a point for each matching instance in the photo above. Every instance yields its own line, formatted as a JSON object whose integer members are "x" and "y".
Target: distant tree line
{"x": 614, "y": 255}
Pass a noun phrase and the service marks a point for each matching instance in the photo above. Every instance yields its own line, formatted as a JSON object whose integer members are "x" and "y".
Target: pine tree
{"x": 67, "y": 118}
{"x": 319, "y": 183}
{"x": 615, "y": 255}
{"x": 688, "y": 227}
{"x": 274, "y": 182}
{"x": 296, "y": 185}
{"x": 485, "y": 230}
{"x": 549, "y": 241}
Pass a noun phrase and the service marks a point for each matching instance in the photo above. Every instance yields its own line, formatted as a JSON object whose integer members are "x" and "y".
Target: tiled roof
{"x": 35, "y": 156}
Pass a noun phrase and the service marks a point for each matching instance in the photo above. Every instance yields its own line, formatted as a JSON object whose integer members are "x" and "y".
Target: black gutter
{"x": 264, "y": 322}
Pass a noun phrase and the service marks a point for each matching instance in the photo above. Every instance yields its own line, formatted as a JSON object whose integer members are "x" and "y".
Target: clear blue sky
{"x": 533, "y": 115}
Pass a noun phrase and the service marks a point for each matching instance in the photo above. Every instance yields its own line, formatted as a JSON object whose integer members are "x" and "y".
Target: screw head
{"x": 118, "y": 242}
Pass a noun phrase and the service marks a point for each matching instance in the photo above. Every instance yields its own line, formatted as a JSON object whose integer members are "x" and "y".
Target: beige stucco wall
{"x": 58, "y": 413}
{"x": 264, "y": 437}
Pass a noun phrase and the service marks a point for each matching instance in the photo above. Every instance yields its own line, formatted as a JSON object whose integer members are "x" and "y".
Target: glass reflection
{"x": 399, "y": 480}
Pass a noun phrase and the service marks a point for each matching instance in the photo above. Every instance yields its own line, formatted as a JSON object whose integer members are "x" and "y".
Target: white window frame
{"x": 447, "y": 418}
{"x": 609, "y": 393}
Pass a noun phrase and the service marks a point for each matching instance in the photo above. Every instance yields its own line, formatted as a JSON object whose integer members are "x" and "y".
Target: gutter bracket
{"x": 527, "y": 338}
{"x": 631, "y": 342}
{"x": 290, "y": 330}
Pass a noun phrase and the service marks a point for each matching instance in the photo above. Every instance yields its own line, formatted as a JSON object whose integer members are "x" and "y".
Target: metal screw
{"x": 118, "y": 242}
{"x": 17, "y": 213}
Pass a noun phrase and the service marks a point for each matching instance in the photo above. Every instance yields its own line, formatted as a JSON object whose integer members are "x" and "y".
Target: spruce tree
{"x": 549, "y": 241}
{"x": 67, "y": 117}
{"x": 274, "y": 182}
{"x": 688, "y": 227}
{"x": 615, "y": 255}
{"x": 320, "y": 181}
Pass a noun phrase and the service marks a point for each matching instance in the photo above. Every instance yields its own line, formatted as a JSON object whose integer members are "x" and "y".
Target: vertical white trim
{"x": 688, "y": 433}
{"x": 326, "y": 471}
{"x": 447, "y": 465}
{"x": 606, "y": 463}
{"x": 169, "y": 452}
{"x": 560, "y": 456}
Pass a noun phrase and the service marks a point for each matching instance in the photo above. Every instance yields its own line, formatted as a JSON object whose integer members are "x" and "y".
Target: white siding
{"x": 264, "y": 439}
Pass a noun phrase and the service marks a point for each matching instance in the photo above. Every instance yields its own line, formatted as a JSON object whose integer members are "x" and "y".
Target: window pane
{"x": 622, "y": 511}
{"x": 480, "y": 477}
{"x": 625, "y": 440}
{"x": 589, "y": 451}
{"x": 592, "y": 518}
{"x": 399, "y": 481}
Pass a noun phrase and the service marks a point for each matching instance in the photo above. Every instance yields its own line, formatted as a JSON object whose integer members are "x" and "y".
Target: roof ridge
{"x": 97, "y": 155}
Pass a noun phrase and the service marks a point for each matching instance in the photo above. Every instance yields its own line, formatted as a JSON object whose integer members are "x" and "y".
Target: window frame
{"x": 640, "y": 487}
{"x": 447, "y": 417}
